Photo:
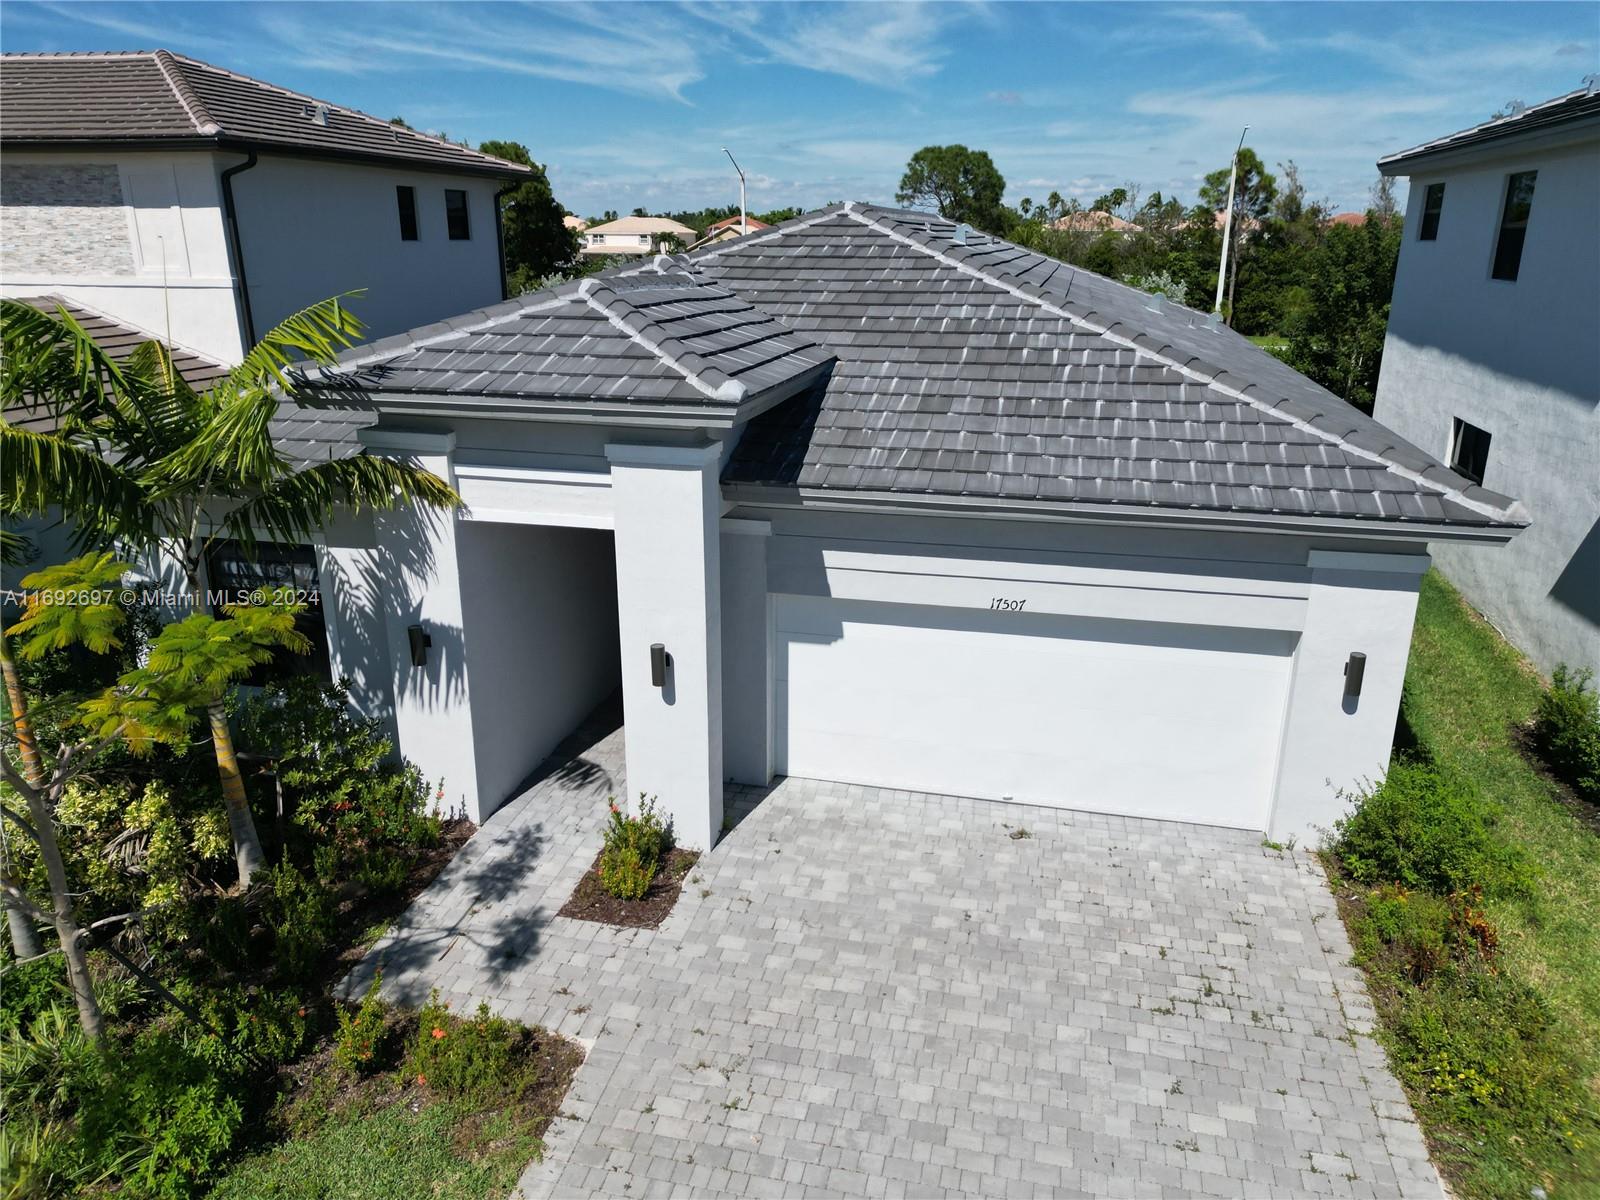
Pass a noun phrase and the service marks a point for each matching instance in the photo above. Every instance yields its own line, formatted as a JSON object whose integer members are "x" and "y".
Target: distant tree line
{"x": 1323, "y": 287}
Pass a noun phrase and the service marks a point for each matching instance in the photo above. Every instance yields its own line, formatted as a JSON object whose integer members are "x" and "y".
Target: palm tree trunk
{"x": 24, "y": 937}
{"x": 66, "y": 924}
{"x": 246, "y": 843}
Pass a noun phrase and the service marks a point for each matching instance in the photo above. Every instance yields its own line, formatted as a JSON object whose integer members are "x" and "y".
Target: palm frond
{"x": 51, "y": 367}
{"x": 317, "y": 333}
{"x": 40, "y": 470}
{"x": 298, "y": 503}
{"x": 72, "y": 604}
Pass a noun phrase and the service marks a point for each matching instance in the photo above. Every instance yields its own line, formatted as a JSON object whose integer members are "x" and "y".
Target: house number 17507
{"x": 1004, "y": 605}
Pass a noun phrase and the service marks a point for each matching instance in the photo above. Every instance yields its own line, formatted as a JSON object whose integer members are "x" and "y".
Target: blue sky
{"x": 630, "y": 104}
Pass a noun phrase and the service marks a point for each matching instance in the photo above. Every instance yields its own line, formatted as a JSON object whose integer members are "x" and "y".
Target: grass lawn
{"x": 1269, "y": 341}
{"x": 1468, "y": 694}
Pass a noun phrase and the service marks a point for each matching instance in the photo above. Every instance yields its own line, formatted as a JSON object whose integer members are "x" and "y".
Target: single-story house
{"x": 872, "y": 497}
{"x": 634, "y": 236}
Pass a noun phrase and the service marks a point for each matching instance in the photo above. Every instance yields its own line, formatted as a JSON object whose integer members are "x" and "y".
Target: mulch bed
{"x": 591, "y": 902}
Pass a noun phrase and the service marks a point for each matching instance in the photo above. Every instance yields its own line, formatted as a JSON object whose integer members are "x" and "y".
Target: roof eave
{"x": 229, "y": 144}
{"x": 783, "y": 496}
{"x": 1552, "y": 134}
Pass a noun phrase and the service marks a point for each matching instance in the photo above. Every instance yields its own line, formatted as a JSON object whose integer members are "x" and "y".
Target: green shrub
{"x": 381, "y": 870}
{"x": 1486, "y": 1053}
{"x": 462, "y": 1057}
{"x": 161, "y": 1118}
{"x": 247, "y": 1026}
{"x": 355, "y": 1044}
{"x": 300, "y": 914}
{"x": 1418, "y": 934}
{"x": 624, "y": 874}
{"x": 30, "y": 989}
{"x": 634, "y": 849}
{"x": 337, "y": 770}
{"x": 46, "y": 1065}
{"x": 1566, "y": 730}
{"x": 1424, "y": 828}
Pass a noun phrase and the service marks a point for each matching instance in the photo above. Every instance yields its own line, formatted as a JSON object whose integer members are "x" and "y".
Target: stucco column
{"x": 418, "y": 583}
{"x": 746, "y": 653}
{"x": 667, "y": 505}
{"x": 1332, "y": 742}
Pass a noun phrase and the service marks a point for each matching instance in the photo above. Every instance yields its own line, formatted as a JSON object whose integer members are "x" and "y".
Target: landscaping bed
{"x": 1470, "y": 887}
{"x": 591, "y": 902}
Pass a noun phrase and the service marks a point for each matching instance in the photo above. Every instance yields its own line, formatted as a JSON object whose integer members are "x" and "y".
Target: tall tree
{"x": 961, "y": 184}
{"x": 537, "y": 241}
{"x": 135, "y": 458}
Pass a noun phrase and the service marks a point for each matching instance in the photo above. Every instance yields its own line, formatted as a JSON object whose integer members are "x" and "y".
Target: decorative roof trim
{"x": 729, "y": 391}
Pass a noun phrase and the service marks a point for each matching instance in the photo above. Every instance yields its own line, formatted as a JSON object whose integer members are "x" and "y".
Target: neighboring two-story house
{"x": 203, "y": 206}
{"x": 1493, "y": 355}
{"x": 637, "y": 236}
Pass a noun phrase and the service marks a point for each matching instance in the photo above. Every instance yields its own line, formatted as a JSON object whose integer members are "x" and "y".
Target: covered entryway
{"x": 1178, "y": 722}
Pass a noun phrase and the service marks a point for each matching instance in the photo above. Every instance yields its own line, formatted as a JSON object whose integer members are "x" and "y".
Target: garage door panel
{"x": 1158, "y": 721}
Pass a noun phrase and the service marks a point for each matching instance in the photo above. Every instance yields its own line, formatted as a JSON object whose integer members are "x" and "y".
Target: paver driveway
{"x": 882, "y": 993}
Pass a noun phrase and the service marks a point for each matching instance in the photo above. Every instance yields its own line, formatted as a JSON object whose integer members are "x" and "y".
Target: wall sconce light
{"x": 660, "y": 660}
{"x": 420, "y": 643}
{"x": 1354, "y": 669}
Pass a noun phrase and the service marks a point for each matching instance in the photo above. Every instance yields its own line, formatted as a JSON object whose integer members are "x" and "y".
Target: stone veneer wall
{"x": 63, "y": 220}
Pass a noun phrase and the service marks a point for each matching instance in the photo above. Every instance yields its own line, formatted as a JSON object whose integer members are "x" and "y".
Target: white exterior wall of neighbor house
{"x": 137, "y": 235}
{"x": 313, "y": 229}
{"x": 1520, "y": 360}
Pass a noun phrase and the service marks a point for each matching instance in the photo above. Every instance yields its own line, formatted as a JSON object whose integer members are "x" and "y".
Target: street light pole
{"x": 744, "y": 221}
{"x": 1227, "y": 222}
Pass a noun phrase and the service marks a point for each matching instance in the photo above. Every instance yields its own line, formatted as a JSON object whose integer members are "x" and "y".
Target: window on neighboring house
{"x": 1469, "y": 450}
{"x": 644, "y": 239}
{"x": 407, "y": 199}
{"x": 1432, "y": 206}
{"x": 233, "y": 575}
{"x": 1514, "y": 224}
{"x": 455, "y": 213}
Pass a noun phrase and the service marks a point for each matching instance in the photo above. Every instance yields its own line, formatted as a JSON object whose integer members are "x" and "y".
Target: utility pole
{"x": 744, "y": 221}
{"x": 1227, "y": 222}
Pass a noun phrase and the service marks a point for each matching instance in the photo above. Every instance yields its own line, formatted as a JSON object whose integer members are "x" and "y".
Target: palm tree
{"x": 138, "y": 460}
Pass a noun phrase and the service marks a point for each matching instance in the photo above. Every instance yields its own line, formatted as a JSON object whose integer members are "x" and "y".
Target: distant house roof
{"x": 571, "y": 222}
{"x": 970, "y": 373}
{"x": 651, "y": 225}
{"x": 660, "y": 338}
{"x": 1346, "y": 218}
{"x": 1576, "y": 112}
{"x": 157, "y": 98}
{"x": 304, "y": 435}
{"x": 1093, "y": 222}
{"x": 733, "y": 223}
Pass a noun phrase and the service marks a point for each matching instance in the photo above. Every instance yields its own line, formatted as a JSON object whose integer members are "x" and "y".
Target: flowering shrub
{"x": 356, "y": 1041}
{"x": 461, "y": 1056}
{"x": 634, "y": 849}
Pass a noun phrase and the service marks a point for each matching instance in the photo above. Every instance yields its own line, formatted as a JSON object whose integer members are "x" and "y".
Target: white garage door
{"x": 1150, "y": 720}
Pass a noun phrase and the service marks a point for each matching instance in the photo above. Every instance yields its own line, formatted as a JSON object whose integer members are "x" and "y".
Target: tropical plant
{"x": 135, "y": 457}
{"x": 961, "y": 184}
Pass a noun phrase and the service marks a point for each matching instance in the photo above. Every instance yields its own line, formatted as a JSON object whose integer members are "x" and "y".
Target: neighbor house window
{"x": 455, "y": 212}
{"x": 406, "y": 197}
{"x": 1469, "y": 450}
{"x": 235, "y": 575}
{"x": 1514, "y": 224}
{"x": 1432, "y": 206}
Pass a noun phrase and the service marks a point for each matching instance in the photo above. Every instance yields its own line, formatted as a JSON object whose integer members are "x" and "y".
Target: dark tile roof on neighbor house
{"x": 155, "y": 97}
{"x": 973, "y": 372}
{"x": 661, "y": 337}
{"x": 1559, "y": 114}
{"x": 303, "y": 435}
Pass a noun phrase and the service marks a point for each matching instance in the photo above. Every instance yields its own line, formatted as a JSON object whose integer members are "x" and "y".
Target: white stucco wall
{"x": 137, "y": 235}
{"x": 540, "y": 616}
{"x": 1521, "y": 360}
{"x": 314, "y": 229}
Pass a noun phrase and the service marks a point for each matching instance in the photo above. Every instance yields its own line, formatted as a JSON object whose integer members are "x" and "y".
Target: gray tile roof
{"x": 1582, "y": 105}
{"x": 651, "y": 338}
{"x": 158, "y": 96}
{"x": 970, "y": 367}
{"x": 967, "y": 370}
{"x": 303, "y": 435}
